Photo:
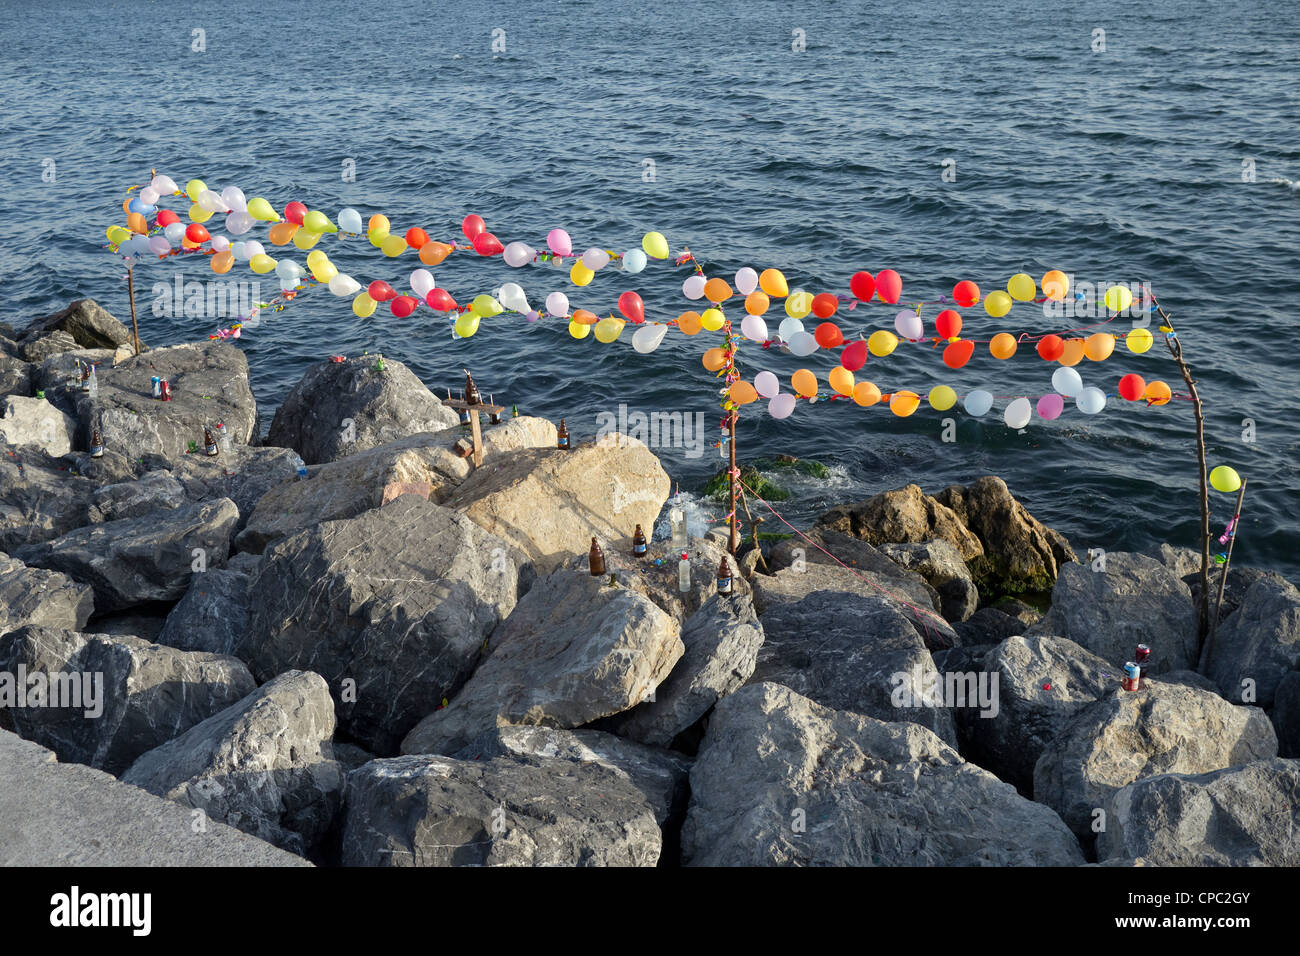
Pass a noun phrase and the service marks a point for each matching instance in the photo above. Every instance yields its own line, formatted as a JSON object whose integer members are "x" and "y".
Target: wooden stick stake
{"x": 1223, "y": 579}
{"x": 130, "y": 292}
{"x": 731, "y": 481}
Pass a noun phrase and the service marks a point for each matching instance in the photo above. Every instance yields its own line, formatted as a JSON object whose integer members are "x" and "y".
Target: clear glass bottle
{"x": 684, "y": 573}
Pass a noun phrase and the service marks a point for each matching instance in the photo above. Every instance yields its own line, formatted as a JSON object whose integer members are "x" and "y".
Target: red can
{"x": 165, "y": 387}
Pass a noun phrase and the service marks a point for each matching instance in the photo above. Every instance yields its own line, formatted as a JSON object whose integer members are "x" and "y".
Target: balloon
{"x": 198, "y": 214}
{"x": 138, "y": 205}
{"x": 377, "y": 236}
{"x": 1139, "y": 340}
{"x": 1131, "y": 387}
{"x": 1099, "y": 346}
{"x": 159, "y": 245}
{"x": 781, "y": 406}
{"x": 802, "y": 344}
{"x": 558, "y": 241}
{"x": 889, "y": 286}
{"x": 344, "y": 285}
{"x": 633, "y": 261}
{"x": 1118, "y": 298}
{"x": 466, "y": 324}
{"x": 1003, "y": 345}
{"x": 1157, "y": 393}
{"x": 881, "y": 343}
{"x": 432, "y": 253}
{"x": 174, "y": 232}
{"x": 854, "y": 355}
{"x": 379, "y": 223}
{"x": 349, "y": 220}
{"x": 1051, "y": 348}
{"x": 251, "y": 248}
{"x": 1050, "y": 407}
{"x": 1067, "y": 381}
{"x": 1225, "y": 479}
{"x": 163, "y": 185}
{"x": 421, "y": 281}
{"x": 130, "y": 248}
{"x": 393, "y": 246}
{"x": 754, "y": 328}
{"x": 789, "y": 327}
{"x": 324, "y": 271}
{"x": 978, "y": 402}
{"x": 580, "y": 274}
{"x": 828, "y": 335}
{"x": 287, "y": 269}
{"x": 196, "y": 233}
{"x": 909, "y": 325}
{"x": 904, "y": 403}
{"x": 304, "y": 239}
{"x": 773, "y": 283}
{"x": 841, "y": 380}
{"x": 117, "y": 234}
{"x": 714, "y": 359}
{"x": 149, "y": 195}
{"x": 1022, "y": 288}
{"x": 798, "y": 304}
{"x": 212, "y": 201}
{"x": 997, "y": 304}
{"x": 485, "y": 305}
{"x": 403, "y": 306}
{"x": 440, "y": 300}
{"x": 415, "y": 238}
{"x": 238, "y": 223}
{"x": 137, "y": 223}
{"x": 866, "y": 394}
{"x": 583, "y": 317}
{"x": 472, "y": 226}
{"x": 294, "y": 213}
{"x": 716, "y": 290}
{"x": 1018, "y": 413}
{"x": 956, "y": 354}
{"x": 766, "y": 384}
{"x": 693, "y": 287}
{"x": 608, "y": 329}
{"x": 824, "y": 305}
{"x": 746, "y": 280}
{"x": 222, "y": 262}
{"x": 689, "y": 323}
{"x": 595, "y": 259}
{"x": 942, "y": 398}
{"x": 281, "y": 234}
{"x": 381, "y": 291}
{"x": 1091, "y": 400}
{"x": 1055, "y": 284}
{"x": 966, "y": 293}
{"x": 863, "y": 286}
{"x": 742, "y": 393}
{"x": 220, "y": 243}
{"x": 1073, "y": 353}
{"x": 804, "y": 383}
{"x": 166, "y": 217}
{"x": 364, "y": 306}
{"x": 511, "y": 295}
{"x": 579, "y": 330}
{"x": 630, "y": 304}
{"x": 557, "y": 304}
{"x": 756, "y": 303}
{"x": 486, "y": 244}
{"x": 712, "y": 319}
{"x": 259, "y": 208}
{"x": 194, "y": 187}
{"x": 948, "y": 324}
{"x": 655, "y": 245}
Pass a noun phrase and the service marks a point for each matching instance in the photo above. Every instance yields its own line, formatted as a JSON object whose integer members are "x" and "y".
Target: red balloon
{"x": 472, "y": 226}
{"x": 889, "y": 286}
{"x": 1132, "y": 386}
{"x": 403, "y": 305}
{"x": 966, "y": 293}
{"x": 486, "y": 244}
{"x": 381, "y": 291}
{"x": 854, "y": 355}
{"x": 828, "y": 335}
{"x": 166, "y": 217}
{"x": 863, "y": 285}
{"x": 824, "y": 305}
{"x": 294, "y": 212}
{"x": 630, "y": 304}
{"x": 439, "y": 299}
{"x": 416, "y": 238}
{"x": 948, "y": 322}
{"x": 196, "y": 233}
{"x": 958, "y": 353}
{"x": 1051, "y": 348}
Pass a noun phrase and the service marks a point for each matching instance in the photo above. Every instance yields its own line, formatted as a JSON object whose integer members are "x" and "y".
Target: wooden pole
{"x": 1223, "y": 579}
{"x": 478, "y": 437}
{"x": 130, "y": 293}
{"x": 731, "y": 480}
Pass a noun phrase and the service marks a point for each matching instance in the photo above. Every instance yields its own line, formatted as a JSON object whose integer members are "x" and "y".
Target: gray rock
{"x": 154, "y": 491}
{"x": 902, "y": 515}
{"x": 722, "y": 640}
{"x": 1285, "y": 715}
{"x": 1135, "y": 600}
{"x": 1128, "y": 736}
{"x": 1189, "y": 679}
{"x": 16, "y": 376}
{"x": 40, "y": 498}
{"x": 1180, "y": 561}
{"x": 37, "y": 348}
{"x": 90, "y": 325}
{"x": 397, "y": 601}
{"x": 36, "y": 596}
{"x": 1234, "y": 592}
{"x": 1255, "y": 647}
{"x": 342, "y": 408}
{"x": 213, "y": 614}
{"x": 137, "y": 560}
{"x": 435, "y": 811}
{"x": 781, "y": 780}
{"x": 350, "y": 756}
{"x": 943, "y": 568}
{"x": 1239, "y": 816}
{"x": 574, "y": 649}
{"x": 34, "y": 421}
{"x": 264, "y": 765}
{"x": 144, "y": 623}
{"x": 988, "y": 625}
{"x": 244, "y": 475}
{"x": 130, "y": 696}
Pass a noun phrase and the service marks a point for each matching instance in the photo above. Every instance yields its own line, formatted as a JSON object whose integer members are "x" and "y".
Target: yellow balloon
{"x": 866, "y": 394}
{"x": 377, "y": 237}
{"x": 841, "y": 380}
{"x": 579, "y": 274}
{"x": 608, "y": 329}
{"x": 317, "y": 259}
{"x": 1139, "y": 340}
{"x": 798, "y": 305}
{"x": 466, "y": 324}
{"x": 261, "y": 263}
{"x": 655, "y": 245}
{"x": 903, "y": 404}
{"x": 394, "y": 246}
{"x": 942, "y": 398}
{"x": 773, "y": 283}
{"x": 304, "y": 239}
{"x": 1022, "y": 288}
{"x": 198, "y": 214}
{"x": 317, "y": 221}
{"x": 804, "y": 382}
{"x": 997, "y": 303}
{"x": 259, "y": 208}
{"x": 118, "y": 234}
{"x": 1225, "y": 479}
{"x": 326, "y": 273}
{"x": 1118, "y": 298}
{"x": 712, "y": 319}
{"x": 578, "y": 330}
{"x": 881, "y": 343}
{"x": 363, "y": 305}
{"x": 485, "y": 305}
{"x": 193, "y": 188}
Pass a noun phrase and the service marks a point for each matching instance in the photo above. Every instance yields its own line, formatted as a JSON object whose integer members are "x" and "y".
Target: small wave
{"x": 1288, "y": 183}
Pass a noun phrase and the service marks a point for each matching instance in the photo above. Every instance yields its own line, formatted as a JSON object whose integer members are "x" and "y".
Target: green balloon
{"x": 1225, "y": 479}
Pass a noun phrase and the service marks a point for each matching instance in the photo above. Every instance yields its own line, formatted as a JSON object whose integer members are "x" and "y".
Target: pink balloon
{"x": 781, "y": 406}
{"x": 767, "y": 385}
{"x": 559, "y": 242}
{"x": 1050, "y": 406}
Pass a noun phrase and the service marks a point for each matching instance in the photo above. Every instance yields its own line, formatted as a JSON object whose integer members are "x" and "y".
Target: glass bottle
{"x": 684, "y": 573}
{"x": 596, "y": 559}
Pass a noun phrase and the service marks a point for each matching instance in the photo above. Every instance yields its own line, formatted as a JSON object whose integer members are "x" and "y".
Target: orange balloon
{"x": 714, "y": 359}
{"x": 416, "y": 238}
{"x": 1054, "y": 285}
{"x": 378, "y": 221}
{"x": 804, "y": 382}
{"x": 188, "y": 243}
{"x": 689, "y": 322}
{"x": 841, "y": 380}
{"x": 1157, "y": 393}
{"x": 431, "y": 253}
{"x": 717, "y": 290}
{"x": 1099, "y": 346}
{"x": 866, "y": 393}
{"x": 773, "y": 283}
{"x": 904, "y": 403}
{"x": 136, "y": 223}
{"x": 756, "y": 303}
{"x": 222, "y": 262}
{"x": 126, "y": 204}
{"x": 1003, "y": 345}
{"x": 281, "y": 234}
{"x": 583, "y": 317}
{"x": 1073, "y": 353}
{"x": 742, "y": 393}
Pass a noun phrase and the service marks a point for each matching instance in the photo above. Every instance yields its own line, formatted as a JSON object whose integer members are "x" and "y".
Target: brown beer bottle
{"x": 639, "y": 547}
{"x": 471, "y": 390}
{"x": 209, "y": 442}
{"x": 562, "y": 436}
{"x": 596, "y": 559}
{"x": 724, "y": 576}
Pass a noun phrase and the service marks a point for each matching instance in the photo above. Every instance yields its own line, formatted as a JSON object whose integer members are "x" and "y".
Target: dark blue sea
{"x": 1169, "y": 158}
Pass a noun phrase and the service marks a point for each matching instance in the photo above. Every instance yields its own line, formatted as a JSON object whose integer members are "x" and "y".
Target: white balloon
{"x": 1067, "y": 381}
{"x": 557, "y": 304}
{"x": 754, "y": 328}
{"x": 159, "y": 245}
{"x": 253, "y": 248}
{"x": 767, "y": 385}
{"x": 648, "y": 337}
{"x": 909, "y": 325}
{"x": 633, "y": 261}
{"x": 212, "y": 201}
{"x": 287, "y": 269}
{"x": 288, "y": 285}
{"x": 422, "y": 282}
{"x": 511, "y": 296}
{"x": 175, "y": 232}
{"x": 234, "y": 199}
{"x": 693, "y": 287}
{"x": 164, "y": 185}
{"x": 349, "y": 220}
{"x": 237, "y": 250}
{"x": 780, "y": 406}
{"x": 220, "y": 243}
{"x": 790, "y": 327}
{"x": 149, "y": 195}
{"x": 595, "y": 259}
{"x": 518, "y": 254}
{"x": 1091, "y": 400}
{"x": 746, "y": 280}
{"x": 978, "y": 402}
{"x": 802, "y": 343}
{"x": 344, "y": 285}
{"x": 1018, "y": 413}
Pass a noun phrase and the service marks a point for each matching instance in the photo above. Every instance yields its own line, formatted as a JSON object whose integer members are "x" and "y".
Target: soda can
{"x": 165, "y": 390}
{"x": 156, "y": 382}
{"x": 1132, "y": 675}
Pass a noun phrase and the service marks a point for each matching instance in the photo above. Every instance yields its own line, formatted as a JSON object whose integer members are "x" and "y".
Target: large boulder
{"x": 1258, "y": 644}
{"x": 34, "y": 421}
{"x": 117, "y": 697}
{"x": 905, "y": 514}
{"x": 1239, "y": 816}
{"x": 574, "y": 649}
{"x": 36, "y": 596}
{"x": 988, "y": 625}
{"x": 515, "y": 434}
{"x": 263, "y": 765}
{"x": 942, "y": 566}
{"x": 435, "y": 811}
{"x": 244, "y": 474}
{"x": 213, "y": 614}
{"x": 136, "y": 560}
{"x": 781, "y": 780}
{"x": 16, "y": 376}
{"x": 90, "y": 325}
{"x": 391, "y": 608}
{"x": 722, "y": 640}
{"x": 1133, "y": 599}
{"x": 40, "y": 346}
{"x": 339, "y": 409}
{"x": 40, "y": 498}
{"x": 550, "y": 503}
{"x": 152, "y": 491}
{"x": 1130, "y": 735}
